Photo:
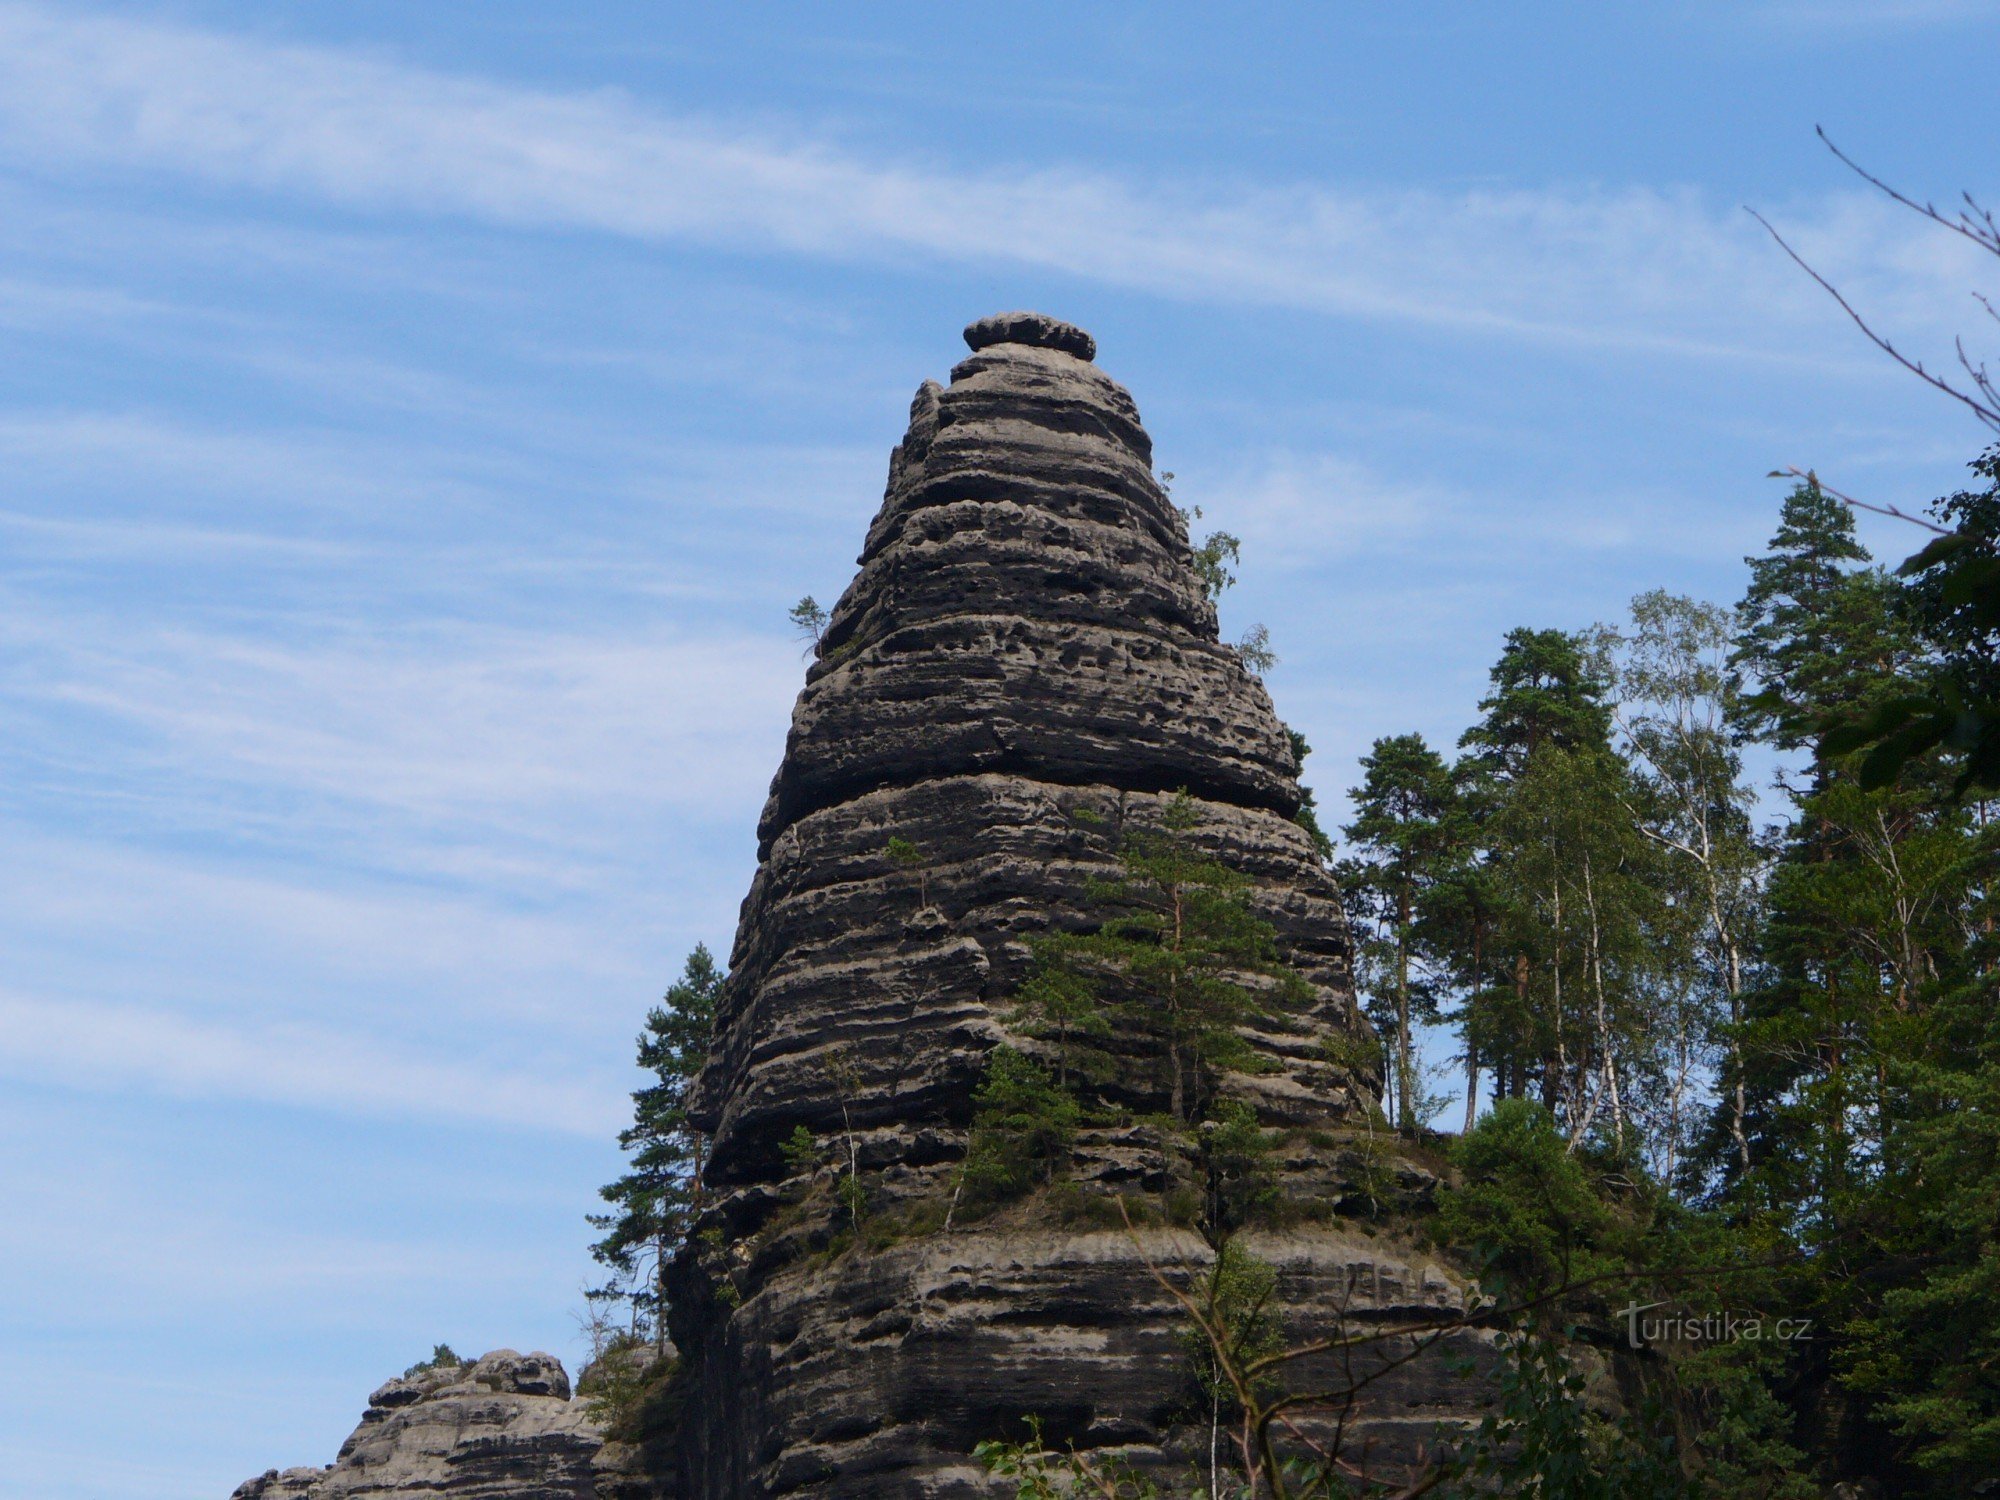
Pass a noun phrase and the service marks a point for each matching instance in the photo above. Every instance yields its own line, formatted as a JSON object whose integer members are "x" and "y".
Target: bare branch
{"x": 1794, "y": 472}
{"x": 1263, "y": 1463}
{"x": 1981, "y": 381}
{"x": 1977, "y": 226}
{"x": 1990, "y": 415}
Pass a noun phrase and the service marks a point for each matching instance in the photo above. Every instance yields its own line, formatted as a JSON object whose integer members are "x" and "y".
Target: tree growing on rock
{"x": 1023, "y": 1124}
{"x": 1212, "y": 555}
{"x": 1179, "y": 965}
{"x": 809, "y": 620}
{"x": 905, "y": 855}
{"x": 655, "y": 1203}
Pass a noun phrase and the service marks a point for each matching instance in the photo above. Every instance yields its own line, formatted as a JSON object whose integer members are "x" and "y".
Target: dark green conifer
{"x": 657, "y": 1200}
{"x": 1409, "y": 834}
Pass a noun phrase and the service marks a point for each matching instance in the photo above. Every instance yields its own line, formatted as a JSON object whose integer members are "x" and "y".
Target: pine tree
{"x": 1926, "y": 1353}
{"x": 1576, "y": 903}
{"x": 657, "y": 1200}
{"x": 1546, "y": 693}
{"x": 1952, "y": 600}
{"x": 1459, "y": 931}
{"x": 1022, "y": 1124}
{"x": 1544, "y": 723}
{"x": 1821, "y": 634}
{"x": 1169, "y": 978}
{"x": 1815, "y": 621}
{"x": 1866, "y": 1041}
{"x": 1408, "y": 833}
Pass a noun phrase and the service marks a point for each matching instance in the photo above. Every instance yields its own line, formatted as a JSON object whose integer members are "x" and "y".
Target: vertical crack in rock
{"x": 1024, "y": 663}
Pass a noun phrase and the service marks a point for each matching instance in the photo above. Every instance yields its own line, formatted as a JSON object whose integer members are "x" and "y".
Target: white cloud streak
{"x": 109, "y": 1046}
{"x": 1634, "y": 267}
{"x": 437, "y": 724}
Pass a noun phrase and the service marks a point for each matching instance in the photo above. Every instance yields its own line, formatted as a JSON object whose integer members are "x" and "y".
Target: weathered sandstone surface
{"x": 1024, "y": 667}
{"x": 501, "y": 1428}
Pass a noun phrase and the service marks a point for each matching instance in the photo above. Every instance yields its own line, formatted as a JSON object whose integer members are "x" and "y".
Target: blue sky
{"x": 415, "y": 421}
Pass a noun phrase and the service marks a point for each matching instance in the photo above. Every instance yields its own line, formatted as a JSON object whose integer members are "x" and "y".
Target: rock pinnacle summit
{"x": 1024, "y": 669}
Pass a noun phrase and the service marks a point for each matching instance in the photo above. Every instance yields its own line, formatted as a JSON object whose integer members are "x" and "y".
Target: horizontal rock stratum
{"x": 1024, "y": 669}
{"x": 502, "y": 1427}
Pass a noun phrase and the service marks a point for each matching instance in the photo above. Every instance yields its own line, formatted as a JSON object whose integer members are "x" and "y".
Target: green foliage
{"x": 1039, "y": 1474}
{"x": 1539, "y": 931}
{"x": 1578, "y": 898}
{"x": 809, "y": 620}
{"x": 1059, "y": 1003}
{"x": 1677, "y": 702}
{"x": 1525, "y": 1204}
{"x": 1255, "y": 652}
{"x": 1816, "y": 632}
{"x": 1952, "y": 599}
{"x": 1307, "y": 816}
{"x": 804, "y": 1154}
{"x": 1411, "y": 837}
{"x": 657, "y": 1200}
{"x": 1371, "y": 1164}
{"x": 1542, "y": 1441}
{"x": 1239, "y": 1183}
{"x": 1237, "y": 1325}
{"x": 852, "y": 1195}
{"x": 1547, "y": 694}
{"x": 1176, "y": 967}
{"x": 1927, "y": 1350}
{"x": 620, "y": 1382}
{"x": 1352, "y": 1052}
{"x": 1740, "y": 1431}
{"x": 1212, "y": 556}
{"x": 801, "y": 1152}
{"x": 442, "y": 1358}
{"x": 905, "y": 855}
{"x": 1023, "y": 1124}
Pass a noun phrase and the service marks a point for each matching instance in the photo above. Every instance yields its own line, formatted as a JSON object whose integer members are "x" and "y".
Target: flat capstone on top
{"x": 1037, "y": 330}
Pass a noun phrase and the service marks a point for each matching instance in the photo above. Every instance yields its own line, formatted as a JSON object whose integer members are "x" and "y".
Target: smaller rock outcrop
{"x": 500, "y": 1428}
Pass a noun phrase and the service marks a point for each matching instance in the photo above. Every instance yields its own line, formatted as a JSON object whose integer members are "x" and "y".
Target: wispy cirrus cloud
{"x": 1638, "y": 266}
{"x": 533, "y": 744}
{"x": 111, "y": 1046}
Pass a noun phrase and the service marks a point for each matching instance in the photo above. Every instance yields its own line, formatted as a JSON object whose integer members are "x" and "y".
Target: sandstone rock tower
{"x": 1024, "y": 666}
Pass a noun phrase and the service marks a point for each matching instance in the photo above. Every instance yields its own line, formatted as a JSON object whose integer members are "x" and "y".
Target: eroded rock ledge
{"x": 503, "y": 1427}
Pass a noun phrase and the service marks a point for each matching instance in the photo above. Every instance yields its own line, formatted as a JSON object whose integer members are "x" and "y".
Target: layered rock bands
{"x": 1024, "y": 670}
{"x": 500, "y": 1428}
